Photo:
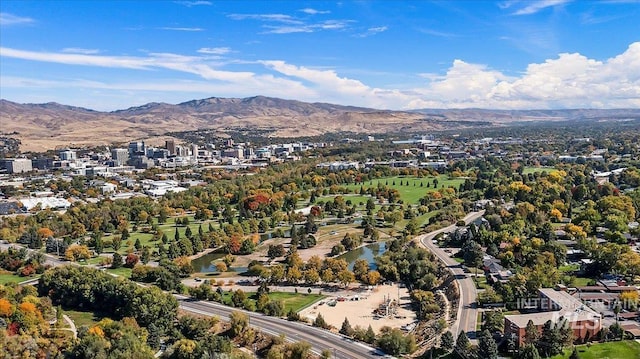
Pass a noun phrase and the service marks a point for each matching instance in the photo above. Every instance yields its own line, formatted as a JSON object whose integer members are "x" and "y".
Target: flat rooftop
{"x": 569, "y": 308}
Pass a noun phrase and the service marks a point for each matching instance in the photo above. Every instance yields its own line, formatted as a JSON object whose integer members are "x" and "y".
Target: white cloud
{"x": 286, "y": 24}
{"x": 194, "y": 3}
{"x": 266, "y": 17}
{"x": 215, "y": 50}
{"x": 189, "y": 64}
{"x": 7, "y": 19}
{"x": 570, "y": 80}
{"x": 192, "y": 29}
{"x": 437, "y": 33}
{"x": 372, "y": 31}
{"x": 539, "y": 5}
{"x": 77, "y": 50}
{"x": 311, "y": 11}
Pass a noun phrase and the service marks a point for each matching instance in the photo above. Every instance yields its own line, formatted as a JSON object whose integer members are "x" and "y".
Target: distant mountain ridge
{"x": 49, "y": 125}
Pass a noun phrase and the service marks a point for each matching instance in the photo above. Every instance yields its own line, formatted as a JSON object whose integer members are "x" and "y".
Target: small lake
{"x": 204, "y": 264}
{"x": 368, "y": 252}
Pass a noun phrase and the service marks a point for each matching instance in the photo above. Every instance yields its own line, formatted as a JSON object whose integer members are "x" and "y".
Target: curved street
{"x": 467, "y": 309}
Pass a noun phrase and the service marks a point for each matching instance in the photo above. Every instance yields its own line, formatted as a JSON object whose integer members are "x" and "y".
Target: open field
{"x": 291, "y": 301}
{"x": 82, "y": 318}
{"x": 9, "y": 277}
{"x": 295, "y": 302}
{"x": 412, "y": 188}
{"x": 528, "y": 170}
{"x": 628, "y": 349}
{"x": 123, "y": 272}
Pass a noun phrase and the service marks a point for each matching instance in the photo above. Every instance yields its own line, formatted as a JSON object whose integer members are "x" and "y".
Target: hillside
{"x": 50, "y": 125}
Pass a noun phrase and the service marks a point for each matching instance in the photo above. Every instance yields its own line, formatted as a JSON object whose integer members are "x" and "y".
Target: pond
{"x": 368, "y": 252}
{"x": 206, "y": 263}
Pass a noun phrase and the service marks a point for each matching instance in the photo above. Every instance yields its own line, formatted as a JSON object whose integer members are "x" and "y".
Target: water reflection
{"x": 368, "y": 252}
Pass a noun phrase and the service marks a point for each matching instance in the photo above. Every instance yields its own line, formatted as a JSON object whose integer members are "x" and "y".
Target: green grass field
{"x": 168, "y": 228}
{"x": 410, "y": 190}
{"x": 123, "y": 272}
{"x": 628, "y": 349}
{"x": 528, "y": 170}
{"x": 8, "y": 277}
{"x": 295, "y": 302}
{"x": 82, "y": 318}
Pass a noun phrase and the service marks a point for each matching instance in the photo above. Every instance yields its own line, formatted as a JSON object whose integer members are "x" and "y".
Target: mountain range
{"x": 50, "y": 125}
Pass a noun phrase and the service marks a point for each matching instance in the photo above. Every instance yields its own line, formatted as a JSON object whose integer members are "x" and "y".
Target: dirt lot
{"x": 361, "y": 312}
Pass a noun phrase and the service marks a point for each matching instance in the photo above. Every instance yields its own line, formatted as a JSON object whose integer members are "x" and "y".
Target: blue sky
{"x": 508, "y": 54}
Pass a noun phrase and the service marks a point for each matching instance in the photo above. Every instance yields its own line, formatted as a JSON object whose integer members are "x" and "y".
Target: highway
{"x": 467, "y": 309}
{"x": 341, "y": 347}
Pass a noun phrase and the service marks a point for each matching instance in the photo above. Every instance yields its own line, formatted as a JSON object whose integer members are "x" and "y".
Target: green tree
{"x": 320, "y": 322}
{"x": 447, "y": 342}
{"x": 550, "y": 342}
{"x": 531, "y": 334}
{"x": 346, "y": 328}
{"x": 463, "y": 345}
{"x": 529, "y": 351}
{"x": 493, "y": 321}
{"x": 394, "y": 342}
{"x": 369, "y": 335}
{"x": 145, "y": 255}
{"x": 117, "y": 260}
{"x": 238, "y": 297}
{"x": 487, "y": 347}
{"x": 239, "y": 323}
{"x": 275, "y": 250}
{"x": 116, "y": 243}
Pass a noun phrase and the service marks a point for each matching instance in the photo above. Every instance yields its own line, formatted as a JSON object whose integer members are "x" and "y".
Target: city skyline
{"x": 391, "y": 55}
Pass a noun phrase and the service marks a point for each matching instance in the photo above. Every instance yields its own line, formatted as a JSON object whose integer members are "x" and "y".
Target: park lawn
{"x": 122, "y": 271}
{"x": 357, "y": 199}
{"x": 327, "y": 232}
{"x": 423, "y": 220}
{"x": 9, "y": 277}
{"x": 295, "y": 301}
{"x": 413, "y": 192}
{"x": 91, "y": 261}
{"x": 169, "y": 228}
{"x": 528, "y": 170}
{"x": 628, "y": 349}
{"x": 83, "y": 318}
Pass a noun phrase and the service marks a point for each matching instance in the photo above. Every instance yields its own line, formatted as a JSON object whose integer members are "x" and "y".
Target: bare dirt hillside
{"x": 45, "y": 126}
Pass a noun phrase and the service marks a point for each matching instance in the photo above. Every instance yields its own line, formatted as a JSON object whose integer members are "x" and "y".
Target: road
{"x": 341, "y": 347}
{"x": 52, "y": 260}
{"x": 467, "y": 309}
